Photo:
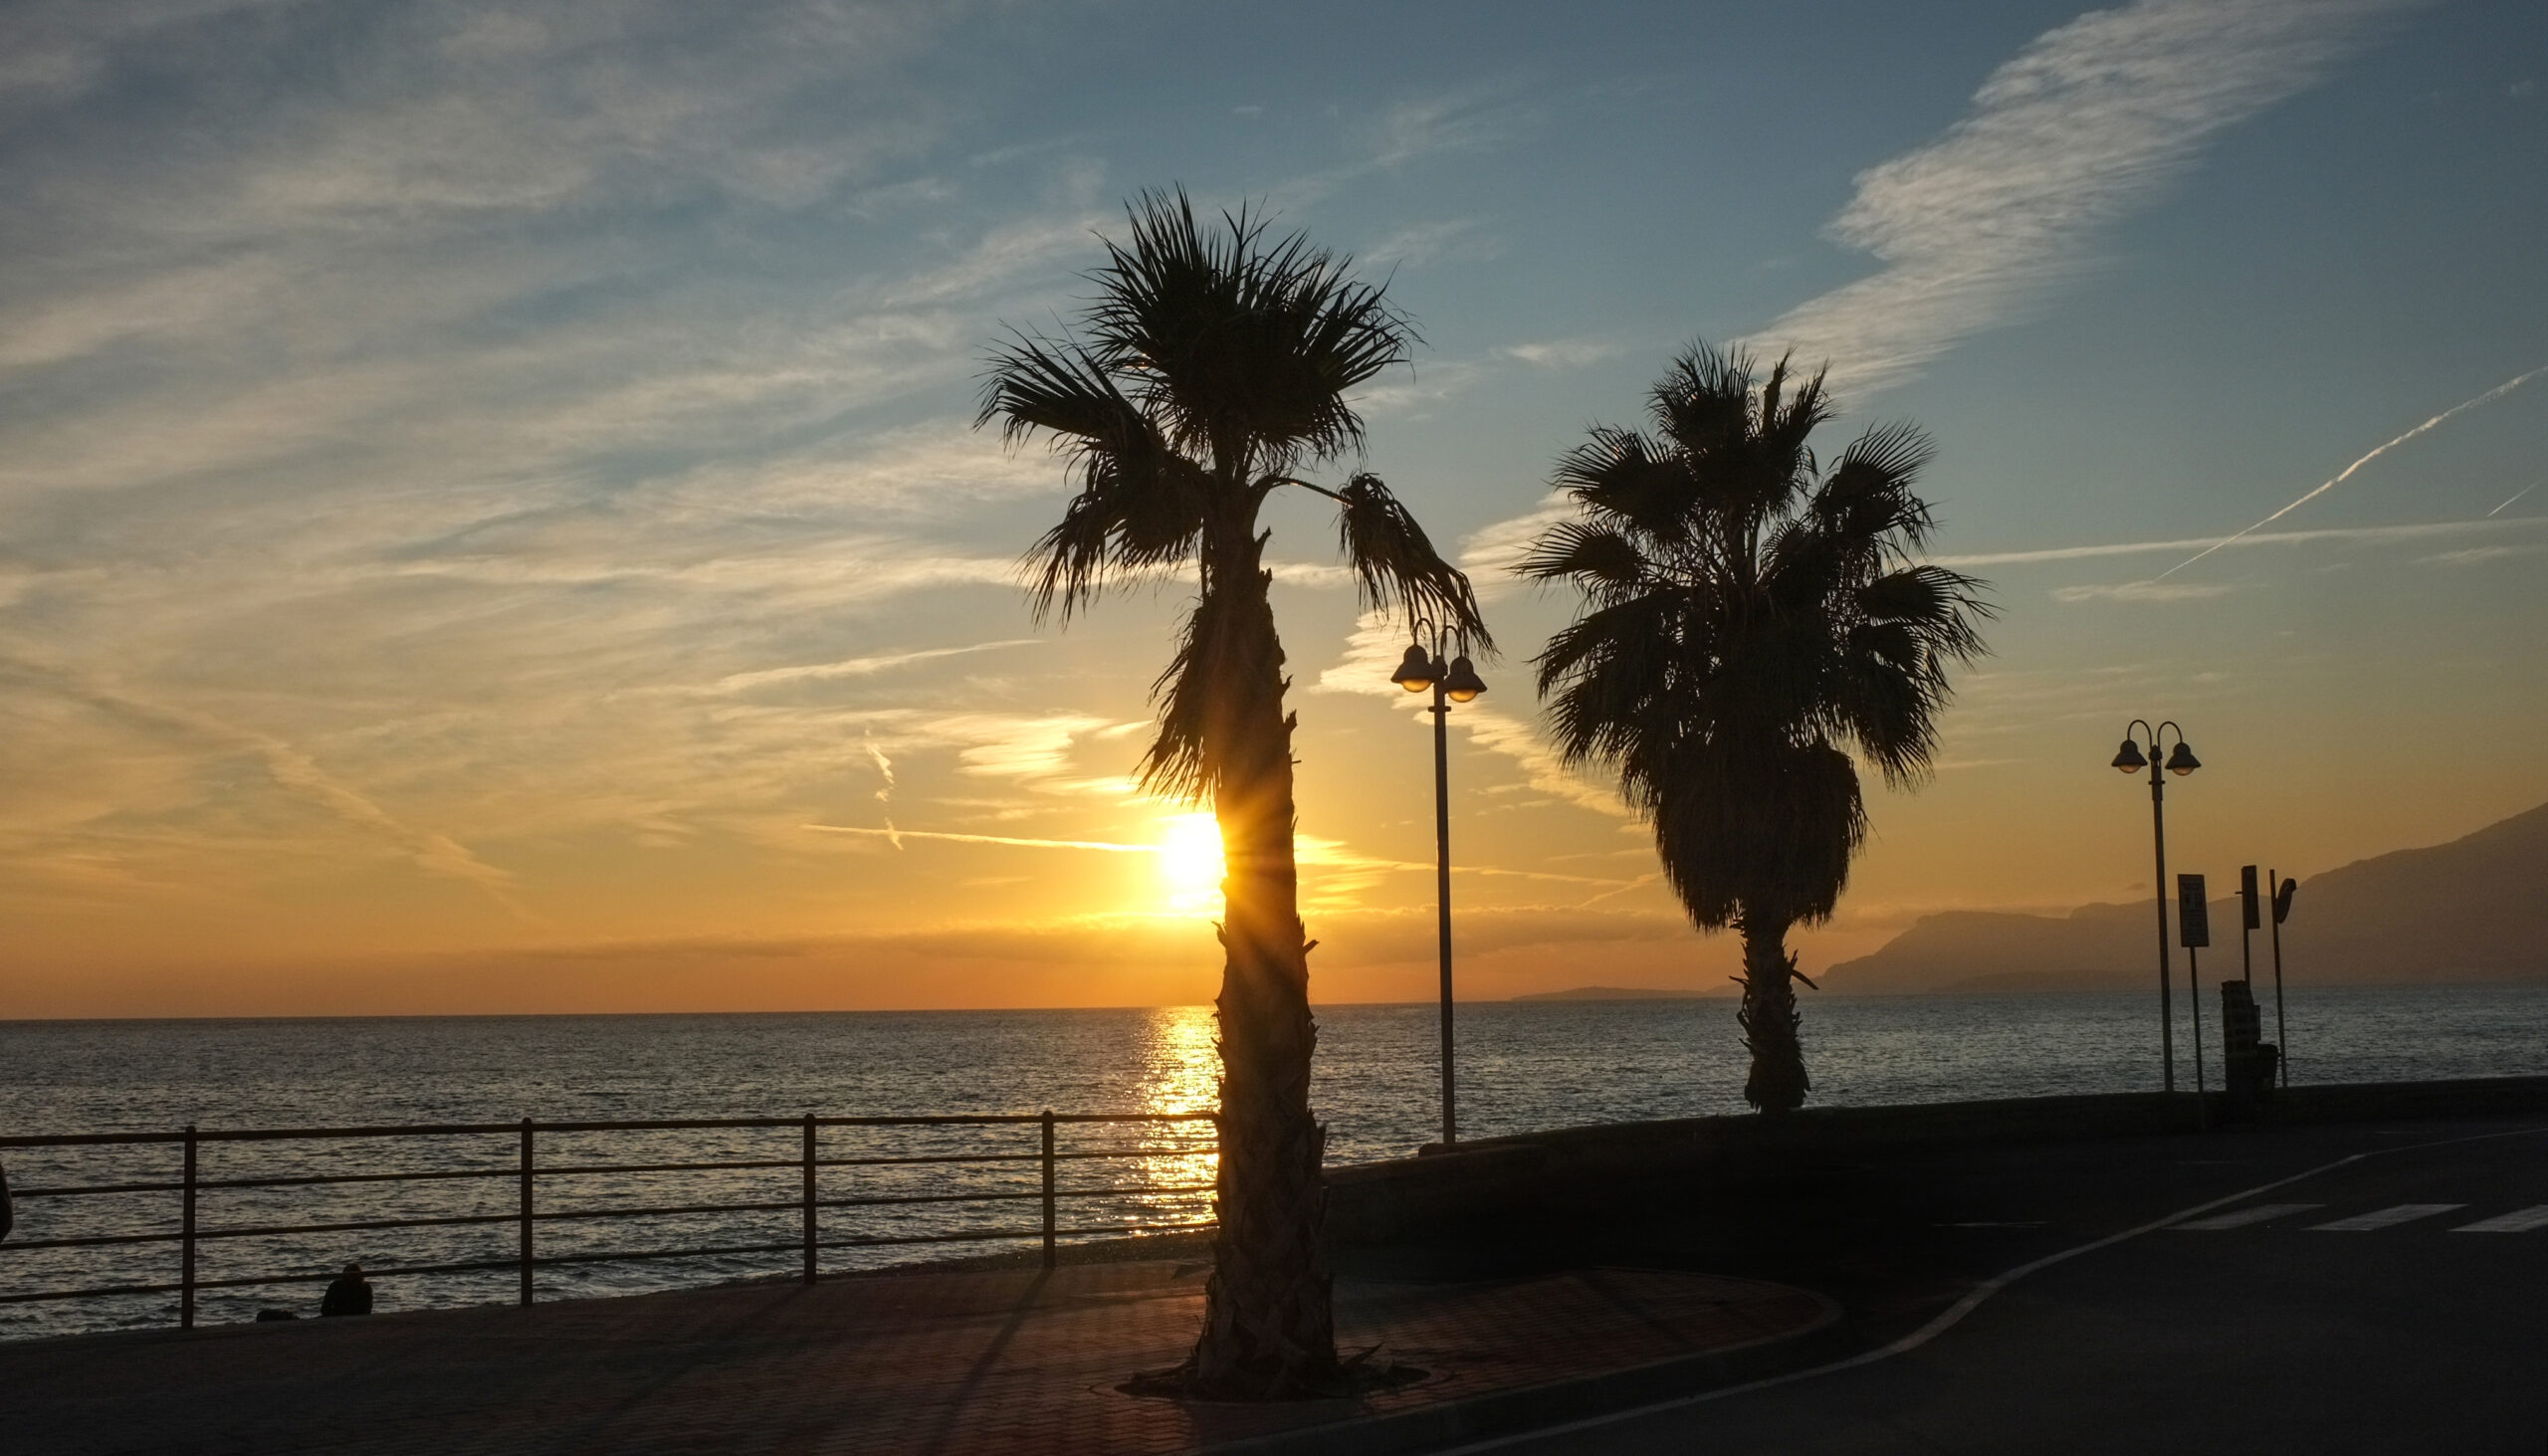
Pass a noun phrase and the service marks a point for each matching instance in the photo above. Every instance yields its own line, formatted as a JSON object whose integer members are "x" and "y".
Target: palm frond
{"x": 1140, "y": 505}
{"x": 1601, "y": 559}
{"x": 1243, "y": 346}
{"x": 1395, "y": 566}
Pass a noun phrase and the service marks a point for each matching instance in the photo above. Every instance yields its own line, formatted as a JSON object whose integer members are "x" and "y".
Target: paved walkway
{"x": 998, "y": 1361}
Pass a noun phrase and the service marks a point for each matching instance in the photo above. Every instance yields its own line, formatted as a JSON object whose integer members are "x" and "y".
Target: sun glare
{"x": 1189, "y": 863}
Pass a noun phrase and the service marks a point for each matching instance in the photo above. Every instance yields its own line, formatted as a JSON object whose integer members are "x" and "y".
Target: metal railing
{"x": 530, "y": 1214}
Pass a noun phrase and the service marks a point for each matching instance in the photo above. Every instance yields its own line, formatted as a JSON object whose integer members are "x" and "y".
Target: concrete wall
{"x": 1382, "y": 1202}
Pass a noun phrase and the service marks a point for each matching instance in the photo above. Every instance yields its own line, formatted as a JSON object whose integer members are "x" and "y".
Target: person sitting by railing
{"x": 348, "y": 1294}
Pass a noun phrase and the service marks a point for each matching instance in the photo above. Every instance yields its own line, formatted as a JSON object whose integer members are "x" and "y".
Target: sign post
{"x": 2193, "y": 930}
{"x": 2247, "y": 920}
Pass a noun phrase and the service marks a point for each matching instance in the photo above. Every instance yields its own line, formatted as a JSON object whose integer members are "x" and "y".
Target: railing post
{"x": 526, "y": 1211}
{"x": 809, "y": 1197}
{"x": 186, "y": 1242}
{"x": 1048, "y": 1187}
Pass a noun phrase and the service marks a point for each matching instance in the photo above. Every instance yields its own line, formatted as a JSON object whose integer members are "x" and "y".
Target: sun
{"x": 1189, "y": 862}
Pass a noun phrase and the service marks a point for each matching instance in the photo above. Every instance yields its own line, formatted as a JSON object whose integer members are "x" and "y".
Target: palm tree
{"x": 1213, "y": 364}
{"x": 1748, "y": 621}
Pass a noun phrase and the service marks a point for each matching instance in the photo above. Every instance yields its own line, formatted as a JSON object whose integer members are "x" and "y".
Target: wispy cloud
{"x": 2085, "y": 125}
{"x": 1562, "y": 354}
{"x": 2139, "y": 591}
{"x": 1418, "y": 244}
{"x": 2474, "y": 555}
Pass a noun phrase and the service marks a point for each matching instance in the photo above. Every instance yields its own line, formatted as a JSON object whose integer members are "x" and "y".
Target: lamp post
{"x": 2283, "y": 891}
{"x": 1454, "y": 682}
{"x": 2181, "y": 761}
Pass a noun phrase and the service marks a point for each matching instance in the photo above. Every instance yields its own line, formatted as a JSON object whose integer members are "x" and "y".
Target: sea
{"x": 1522, "y": 1066}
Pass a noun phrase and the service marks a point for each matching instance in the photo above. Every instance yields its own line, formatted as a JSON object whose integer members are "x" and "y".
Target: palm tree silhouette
{"x": 1214, "y": 363}
{"x": 1747, "y": 619}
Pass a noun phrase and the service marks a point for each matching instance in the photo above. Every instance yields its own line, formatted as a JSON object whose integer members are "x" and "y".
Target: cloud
{"x": 2139, "y": 591}
{"x": 2086, "y": 124}
{"x": 2476, "y": 554}
{"x": 1451, "y": 239}
{"x": 1562, "y": 354}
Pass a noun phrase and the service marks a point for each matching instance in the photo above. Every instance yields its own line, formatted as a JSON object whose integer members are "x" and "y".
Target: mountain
{"x": 2472, "y": 909}
{"x": 1611, "y": 993}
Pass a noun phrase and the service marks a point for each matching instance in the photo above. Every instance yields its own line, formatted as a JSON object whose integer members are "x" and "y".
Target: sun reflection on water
{"x": 1181, "y": 1073}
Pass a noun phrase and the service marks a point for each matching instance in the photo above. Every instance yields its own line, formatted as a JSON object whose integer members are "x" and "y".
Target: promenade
{"x": 978, "y": 1361}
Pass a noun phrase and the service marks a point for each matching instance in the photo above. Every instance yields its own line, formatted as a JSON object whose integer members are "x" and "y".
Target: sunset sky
{"x": 490, "y": 518}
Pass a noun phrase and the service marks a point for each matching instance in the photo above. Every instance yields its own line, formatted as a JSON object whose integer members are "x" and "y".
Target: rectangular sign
{"x": 2247, "y": 898}
{"x": 2193, "y": 915}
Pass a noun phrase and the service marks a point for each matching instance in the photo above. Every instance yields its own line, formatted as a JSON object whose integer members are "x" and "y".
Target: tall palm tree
{"x": 1212, "y": 364}
{"x": 1748, "y": 621}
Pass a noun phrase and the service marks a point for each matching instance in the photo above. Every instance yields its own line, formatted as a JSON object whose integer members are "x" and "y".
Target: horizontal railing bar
{"x": 546, "y": 1170}
{"x": 892, "y": 1200}
{"x": 790, "y": 1207}
{"x": 425, "y": 1129}
{"x": 87, "y": 1140}
{"x": 381, "y": 1130}
{"x": 90, "y": 1242}
{"x": 792, "y": 1245}
{"x": 1194, "y": 1152}
{"x": 1129, "y": 1192}
{"x": 630, "y": 1255}
{"x": 570, "y": 1214}
{"x": 970, "y": 1237}
{"x": 436, "y": 1175}
{"x": 77, "y": 1190}
{"x": 101, "y": 1291}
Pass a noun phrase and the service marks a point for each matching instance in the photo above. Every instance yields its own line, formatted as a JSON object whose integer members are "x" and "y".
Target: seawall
{"x": 1387, "y": 1202}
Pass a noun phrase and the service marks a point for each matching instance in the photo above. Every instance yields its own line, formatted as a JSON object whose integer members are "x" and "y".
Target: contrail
{"x": 2517, "y": 495}
{"x": 2498, "y": 392}
{"x": 885, "y": 795}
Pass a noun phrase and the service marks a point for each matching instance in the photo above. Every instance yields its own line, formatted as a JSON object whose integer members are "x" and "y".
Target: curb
{"x": 1553, "y": 1402}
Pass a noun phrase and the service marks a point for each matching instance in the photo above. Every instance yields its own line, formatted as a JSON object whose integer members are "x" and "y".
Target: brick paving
{"x": 989, "y": 1360}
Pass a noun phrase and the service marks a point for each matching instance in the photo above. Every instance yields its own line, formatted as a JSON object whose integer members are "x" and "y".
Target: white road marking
{"x": 2520, "y": 1220}
{"x": 2385, "y": 1218}
{"x": 1955, "y": 1314}
{"x": 2241, "y": 1217}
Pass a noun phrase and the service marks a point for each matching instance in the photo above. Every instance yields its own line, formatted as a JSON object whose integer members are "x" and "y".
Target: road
{"x": 2395, "y": 1303}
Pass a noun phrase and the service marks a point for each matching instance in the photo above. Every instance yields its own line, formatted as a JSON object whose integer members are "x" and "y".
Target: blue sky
{"x": 492, "y": 485}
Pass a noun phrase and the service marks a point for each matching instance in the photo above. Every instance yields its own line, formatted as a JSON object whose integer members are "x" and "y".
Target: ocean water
{"x": 1523, "y": 1066}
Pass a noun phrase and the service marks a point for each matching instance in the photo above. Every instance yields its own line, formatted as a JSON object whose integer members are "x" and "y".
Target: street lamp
{"x": 2181, "y": 761}
{"x": 1454, "y": 682}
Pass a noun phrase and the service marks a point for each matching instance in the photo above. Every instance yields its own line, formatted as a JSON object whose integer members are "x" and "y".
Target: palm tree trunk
{"x": 1269, "y": 1328}
{"x": 1768, "y": 1017}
